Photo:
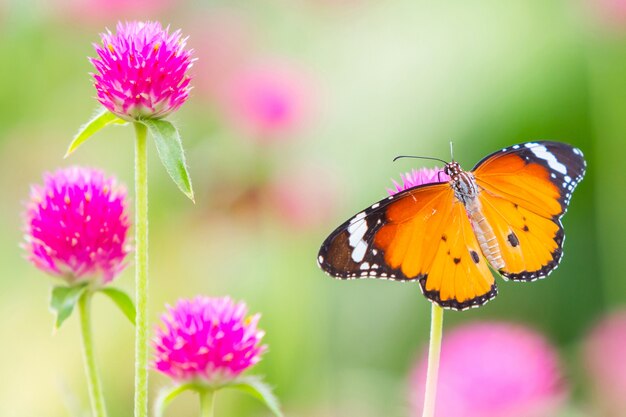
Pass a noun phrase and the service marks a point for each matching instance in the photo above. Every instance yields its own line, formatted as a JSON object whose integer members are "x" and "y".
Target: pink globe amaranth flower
{"x": 418, "y": 177}
{"x": 493, "y": 370}
{"x": 604, "y": 351}
{"x": 208, "y": 340}
{"x": 268, "y": 101}
{"x": 142, "y": 70}
{"x": 76, "y": 225}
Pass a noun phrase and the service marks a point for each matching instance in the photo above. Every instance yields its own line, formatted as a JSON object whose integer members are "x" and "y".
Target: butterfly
{"x": 504, "y": 214}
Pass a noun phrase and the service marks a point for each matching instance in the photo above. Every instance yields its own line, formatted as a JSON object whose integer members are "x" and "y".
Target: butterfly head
{"x": 454, "y": 170}
{"x": 463, "y": 183}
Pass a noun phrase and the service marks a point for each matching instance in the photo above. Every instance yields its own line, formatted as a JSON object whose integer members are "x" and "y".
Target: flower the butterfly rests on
{"x": 504, "y": 213}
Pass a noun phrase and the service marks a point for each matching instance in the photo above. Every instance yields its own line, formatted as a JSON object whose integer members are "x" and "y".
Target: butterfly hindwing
{"x": 458, "y": 276}
{"x": 421, "y": 234}
{"x": 524, "y": 192}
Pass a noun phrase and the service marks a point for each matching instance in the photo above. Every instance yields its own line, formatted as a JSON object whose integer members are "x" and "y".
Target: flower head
{"x": 268, "y": 101}
{"x": 418, "y": 177}
{"x": 604, "y": 351}
{"x": 142, "y": 70}
{"x": 76, "y": 224}
{"x": 493, "y": 370}
{"x": 207, "y": 339}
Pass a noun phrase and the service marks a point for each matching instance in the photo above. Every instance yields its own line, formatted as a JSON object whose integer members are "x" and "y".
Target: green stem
{"x": 434, "y": 349}
{"x": 141, "y": 271}
{"x": 207, "y": 403}
{"x": 93, "y": 379}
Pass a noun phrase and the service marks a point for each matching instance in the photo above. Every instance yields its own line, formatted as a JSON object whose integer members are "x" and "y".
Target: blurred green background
{"x": 381, "y": 79}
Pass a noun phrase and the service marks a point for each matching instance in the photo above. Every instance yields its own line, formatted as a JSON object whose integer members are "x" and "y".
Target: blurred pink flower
{"x": 111, "y": 10}
{"x": 142, "y": 70}
{"x": 223, "y": 41}
{"x": 493, "y": 370}
{"x": 611, "y": 12}
{"x": 207, "y": 339}
{"x": 418, "y": 177}
{"x": 76, "y": 225}
{"x": 604, "y": 352}
{"x": 268, "y": 101}
{"x": 305, "y": 198}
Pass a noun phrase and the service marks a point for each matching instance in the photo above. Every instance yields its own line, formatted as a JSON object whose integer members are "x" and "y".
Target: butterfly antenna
{"x": 451, "y": 151}
{"x": 418, "y": 157}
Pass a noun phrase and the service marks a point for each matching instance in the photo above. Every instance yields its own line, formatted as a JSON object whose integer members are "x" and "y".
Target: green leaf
{"x": 166, "y": 395}
{"x": 258, "y": 389}
{"x": 100, "y": 120}
{"x": 122, "y": 300}
{"x": 63, "y": 301}
{"x": 170, "y": 149}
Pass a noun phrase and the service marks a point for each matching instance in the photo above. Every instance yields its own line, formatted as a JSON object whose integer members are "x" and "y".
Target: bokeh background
{"x": 297, "y": 110}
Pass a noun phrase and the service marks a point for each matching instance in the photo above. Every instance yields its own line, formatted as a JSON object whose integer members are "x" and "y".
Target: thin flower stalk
{"x": 434, "y": 352}
{"x": 141, "y": 271}
{"x": 207, "y": 403}
{"x": 94, "y": 386}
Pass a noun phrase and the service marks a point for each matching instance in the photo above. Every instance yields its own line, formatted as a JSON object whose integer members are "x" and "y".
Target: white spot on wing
{"x": 357, "y": 231}
{"x": 542, "y": 152}
{"x": 365, "y": 265}
{"x": 359, "y": 251}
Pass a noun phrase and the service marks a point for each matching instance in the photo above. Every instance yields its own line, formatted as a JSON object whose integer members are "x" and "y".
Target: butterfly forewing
{"x": 525, "y": 190}
{"x": 350, "y": 252}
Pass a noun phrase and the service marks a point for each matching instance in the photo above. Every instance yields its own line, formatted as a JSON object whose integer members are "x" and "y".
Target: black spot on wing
{"x": 547, "y": 268}
{"x": 457, "y": 261}
{"x": 475, "y": 256}
{"x": 512, "y": 238}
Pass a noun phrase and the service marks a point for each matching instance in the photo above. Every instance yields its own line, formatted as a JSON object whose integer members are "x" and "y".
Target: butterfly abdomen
{"x": 466, "y": 191}
{"x": 484, "y": 234}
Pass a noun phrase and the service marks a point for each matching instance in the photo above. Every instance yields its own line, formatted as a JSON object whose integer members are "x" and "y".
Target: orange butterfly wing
{"x": 421, "y": 234}
{"x": 525, "y": 190}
